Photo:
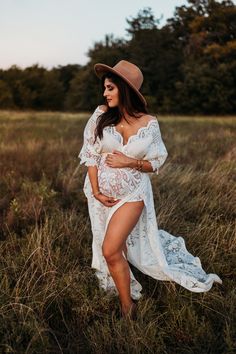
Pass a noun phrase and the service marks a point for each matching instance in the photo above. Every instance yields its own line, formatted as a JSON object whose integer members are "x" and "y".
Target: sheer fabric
{"x": 153, "y": 251}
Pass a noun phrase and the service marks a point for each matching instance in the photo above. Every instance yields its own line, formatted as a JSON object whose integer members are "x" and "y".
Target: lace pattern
{"x": 117, "y": 182}
{"x": 154, "y": 252}
{"x": 158, "y": 149}
{"x": 90, "y": 152}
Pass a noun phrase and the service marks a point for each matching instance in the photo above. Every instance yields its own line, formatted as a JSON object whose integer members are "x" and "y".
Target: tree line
{"x": 189, "y": 65}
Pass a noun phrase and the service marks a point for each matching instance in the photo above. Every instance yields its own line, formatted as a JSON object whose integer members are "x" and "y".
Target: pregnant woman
{"x": 122, "y": 147}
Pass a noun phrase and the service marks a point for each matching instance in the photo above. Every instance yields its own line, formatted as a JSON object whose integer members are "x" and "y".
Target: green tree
{"x": 189, "y": 65}
{"x": 67, "y": 73}
{"x": 52, "y": 94}
{"x": 157, "y": 53}
{"x": 208, "y": 31}
{"x": 6, "y": 98}
{"x": 84, "y": 91}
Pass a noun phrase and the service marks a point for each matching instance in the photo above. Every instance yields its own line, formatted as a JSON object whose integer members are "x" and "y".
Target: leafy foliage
{"x": 189, "y": 65}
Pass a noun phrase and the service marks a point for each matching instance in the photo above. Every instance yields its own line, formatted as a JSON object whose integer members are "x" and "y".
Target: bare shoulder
{"x": 149, "y": 117}
{"x": 103, "y": 108}
{"x": 146, "y": 118}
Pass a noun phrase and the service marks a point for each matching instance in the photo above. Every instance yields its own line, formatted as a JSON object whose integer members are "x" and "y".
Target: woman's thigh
{"x": 120, "y": 226}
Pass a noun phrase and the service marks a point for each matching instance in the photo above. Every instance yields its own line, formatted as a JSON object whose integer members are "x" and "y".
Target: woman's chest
{"x": 135, "y": 144}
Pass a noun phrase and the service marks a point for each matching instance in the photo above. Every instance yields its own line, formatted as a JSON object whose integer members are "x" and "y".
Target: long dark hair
{"x": 128, "y": 99}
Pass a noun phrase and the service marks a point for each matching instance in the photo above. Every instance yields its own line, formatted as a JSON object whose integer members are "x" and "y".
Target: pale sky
{"x": 60, "y": 32}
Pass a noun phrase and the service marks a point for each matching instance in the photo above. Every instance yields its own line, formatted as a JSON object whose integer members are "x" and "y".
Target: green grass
{"x": 49, "y": 299}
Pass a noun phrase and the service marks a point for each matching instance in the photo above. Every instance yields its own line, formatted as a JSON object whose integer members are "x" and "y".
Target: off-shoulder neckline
{"x": 133, "y": 135}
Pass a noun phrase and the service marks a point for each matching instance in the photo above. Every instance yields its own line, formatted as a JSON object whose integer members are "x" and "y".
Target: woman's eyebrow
{"x": 108, "y": 85}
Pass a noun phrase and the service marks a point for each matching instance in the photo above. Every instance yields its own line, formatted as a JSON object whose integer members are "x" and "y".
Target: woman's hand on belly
{"x": 118, "y": 160}
{"x": 107, "y": 201}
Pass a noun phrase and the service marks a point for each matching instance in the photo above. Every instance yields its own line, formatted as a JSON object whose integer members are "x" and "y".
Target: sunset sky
{"x": 60, "y": 32}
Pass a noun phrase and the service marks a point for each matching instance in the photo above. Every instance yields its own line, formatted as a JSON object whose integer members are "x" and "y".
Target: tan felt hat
{"x": 129, "y": 72}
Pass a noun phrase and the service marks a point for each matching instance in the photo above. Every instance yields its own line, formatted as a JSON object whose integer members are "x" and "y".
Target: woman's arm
{"x": 157, "y": 155}
{"x": 120, "y": 160}
{"x": 142, "y": 165}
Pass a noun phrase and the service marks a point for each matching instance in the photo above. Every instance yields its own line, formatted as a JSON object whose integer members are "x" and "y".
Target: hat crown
{"x": 131, "y": 72}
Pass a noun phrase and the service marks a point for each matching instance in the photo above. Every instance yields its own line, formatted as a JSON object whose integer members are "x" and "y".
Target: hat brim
{"x": 101, "y": 69}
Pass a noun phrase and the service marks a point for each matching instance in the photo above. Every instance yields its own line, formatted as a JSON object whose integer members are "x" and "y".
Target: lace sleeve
{"x": 158, "y": 149}
{"x": 90, "y": 151}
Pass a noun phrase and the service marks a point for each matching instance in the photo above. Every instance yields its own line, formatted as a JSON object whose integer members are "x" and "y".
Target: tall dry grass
{"x": 49, "y": 299}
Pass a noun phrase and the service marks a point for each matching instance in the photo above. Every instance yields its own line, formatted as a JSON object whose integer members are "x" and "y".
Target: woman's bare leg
{"x": 121, "y": 224}
{"x": 124, "y": 248}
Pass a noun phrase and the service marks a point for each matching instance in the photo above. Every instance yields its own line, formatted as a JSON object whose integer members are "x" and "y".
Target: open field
{"x": 49, "y": 298}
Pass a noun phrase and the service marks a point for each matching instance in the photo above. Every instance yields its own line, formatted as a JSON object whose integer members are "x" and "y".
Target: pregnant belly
{"x": 117, "y": 182}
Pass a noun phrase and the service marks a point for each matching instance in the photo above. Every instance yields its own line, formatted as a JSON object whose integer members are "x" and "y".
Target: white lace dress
{"x": 154, "y": 252}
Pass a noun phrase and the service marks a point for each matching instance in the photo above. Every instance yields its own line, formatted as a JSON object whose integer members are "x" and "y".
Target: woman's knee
{"x": 110, "y": 255}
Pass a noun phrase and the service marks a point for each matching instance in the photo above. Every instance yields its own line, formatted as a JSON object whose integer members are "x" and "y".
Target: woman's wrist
{"x": 96, "y": 193}
{"x": 137, "y": 164}
{"x": 132, "y": 163}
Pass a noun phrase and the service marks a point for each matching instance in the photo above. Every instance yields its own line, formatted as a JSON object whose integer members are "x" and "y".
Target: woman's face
{"x": 111, "y": 93}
